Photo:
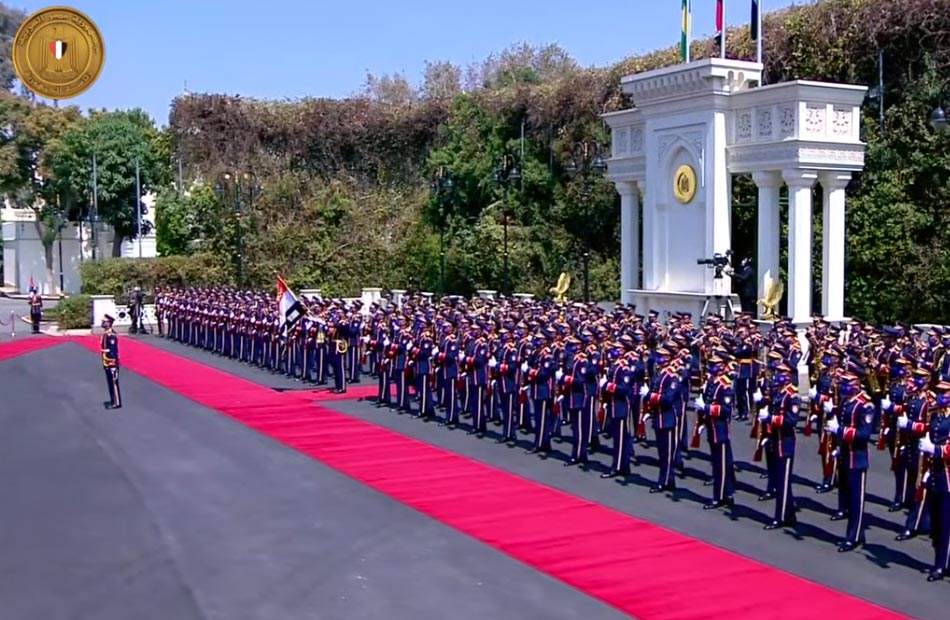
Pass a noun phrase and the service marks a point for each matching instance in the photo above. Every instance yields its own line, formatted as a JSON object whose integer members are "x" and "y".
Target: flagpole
{"x": 722, "y": 28}
{"x": 758, "y": 29}
{"x": 138, "y": 207}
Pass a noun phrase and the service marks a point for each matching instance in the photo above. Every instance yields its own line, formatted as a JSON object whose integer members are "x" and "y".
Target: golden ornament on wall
{"x": 684, "y": 184}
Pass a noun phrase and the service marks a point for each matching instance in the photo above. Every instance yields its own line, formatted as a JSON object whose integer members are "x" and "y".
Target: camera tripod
{"x": 730, "y": 313}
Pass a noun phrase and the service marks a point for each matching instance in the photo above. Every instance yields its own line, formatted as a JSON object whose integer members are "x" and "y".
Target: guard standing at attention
{"x": 714, "y": 408}
{"x": 936, "y": 446}
{"x": 110, "y": 362}
{"x": 36, "y": 309}
{"x": 780, "y": 419}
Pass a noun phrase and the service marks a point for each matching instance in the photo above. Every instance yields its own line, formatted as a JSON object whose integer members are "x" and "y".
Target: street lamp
{"x": 506, "y": 173}
{"x": 938, "y": 120}
{"x": 442, "y": 186}
{"x": 235, "y": 185}
{"x": 586, "y": 161}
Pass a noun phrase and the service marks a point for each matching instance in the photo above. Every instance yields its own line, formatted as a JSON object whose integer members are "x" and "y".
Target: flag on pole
{"x": 290, "y": 309}
{"x": 721, "y": 26}
{"x": 687, "y": 29}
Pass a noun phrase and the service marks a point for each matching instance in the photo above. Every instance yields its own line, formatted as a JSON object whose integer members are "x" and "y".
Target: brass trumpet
{"x": 341, "y": 347}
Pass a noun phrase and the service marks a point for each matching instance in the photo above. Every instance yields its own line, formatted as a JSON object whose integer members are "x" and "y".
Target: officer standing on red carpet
{"x": 853, "y": 432}
{"x": 109, "y": 344}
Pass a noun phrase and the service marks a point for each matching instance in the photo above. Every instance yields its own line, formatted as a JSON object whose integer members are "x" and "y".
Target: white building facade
{"x": 673, "y": 157}
{"x": 24, "y": 258}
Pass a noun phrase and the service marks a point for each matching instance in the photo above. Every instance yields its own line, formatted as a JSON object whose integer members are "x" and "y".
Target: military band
{"x": 552, "y": 370}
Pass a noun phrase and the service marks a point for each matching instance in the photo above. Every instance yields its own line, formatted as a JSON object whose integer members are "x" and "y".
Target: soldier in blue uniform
{"x": 109, "y": 344}
{"x": 540, "y": 378}
{"x": 337, "y": 351}
{"x": 893, "y": 405}
{"x": 853, "y": 432}
{"x": 747, "y": 374}
{"x": 780, "y": 419}
{"x": 36, "y": 309}
{"x": 423, "y": 369}
{"x": 912, "y": 425}
{"x": 449, "y": 359}
{"x": 616, "y": 386}
{"x": 714, "y": 408}
{"x": 663, "y": 397}
{"x": 935, "y": 445}
{"x": 508, "y": 391}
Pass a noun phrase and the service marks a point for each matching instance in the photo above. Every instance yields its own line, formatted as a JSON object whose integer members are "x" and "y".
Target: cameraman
{"x": 745, "y": 284}
{"x": 136, "y": 309}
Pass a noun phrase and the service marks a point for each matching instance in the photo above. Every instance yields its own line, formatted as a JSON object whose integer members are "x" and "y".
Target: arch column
{"x": 767, "y": 261}
{"x": 833, "y": 184}
{"x": 629, "y": 238}
{"x": 800, "y": 184}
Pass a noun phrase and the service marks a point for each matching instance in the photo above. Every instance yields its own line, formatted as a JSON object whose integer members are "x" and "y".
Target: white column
{"x": 800, "y": 184}
{"x": 629, "y": 239}
{"x": 767, "y": 261}
{"x": 833, "y": 185}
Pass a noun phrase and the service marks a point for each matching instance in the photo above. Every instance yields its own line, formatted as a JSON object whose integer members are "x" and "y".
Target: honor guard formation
{"x": 605, "y": 377}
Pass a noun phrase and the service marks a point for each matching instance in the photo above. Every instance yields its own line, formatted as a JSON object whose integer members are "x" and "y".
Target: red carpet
{"x": 27, "y": 344}
{"x": 644, "y": 570}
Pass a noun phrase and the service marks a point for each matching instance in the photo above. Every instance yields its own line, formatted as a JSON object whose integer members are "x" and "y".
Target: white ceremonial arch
{"x": 709, "y": 120}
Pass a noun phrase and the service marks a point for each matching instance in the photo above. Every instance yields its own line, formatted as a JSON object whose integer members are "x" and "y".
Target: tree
{"x": 10, "y": 20}
{"x": 188, "y": 222}
{"x": 392, "y": 89}
{"x": 117, "y": 139}
{"x": 29, "y": 132}
{"x": 441, "y": 81}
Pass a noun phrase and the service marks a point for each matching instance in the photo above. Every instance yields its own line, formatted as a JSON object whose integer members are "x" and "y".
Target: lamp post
{"x": 238, "y": 185}
{"x": 442, "y": 187}
{"x": 506, "y": 173}
{"x": 586, "y": 161}
{"x": 938, "y": 120}
{"x": 60, "y": 224}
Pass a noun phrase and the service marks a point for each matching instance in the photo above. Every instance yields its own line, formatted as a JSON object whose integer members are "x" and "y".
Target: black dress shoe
{"x": 571, "y": 463}
{"x": 656, "y": 489}
{"x": 896, "y": 506}
{"x": 839, "y": 516}
{"x": 766, "y": 497}
{"x": 935, "y": 575}
{"x": 719, "y": 504}
{"x": 847, "y": 546}
{"x": 823, "y": 488}
{"x": 905, "y": 535}
{"x": 774, "y": 525}
{"x": 611, "y": 474}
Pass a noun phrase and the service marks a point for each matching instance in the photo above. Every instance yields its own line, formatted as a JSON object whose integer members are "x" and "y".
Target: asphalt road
{"x": 884, "y": 571}
{"x": 167, "y": 510}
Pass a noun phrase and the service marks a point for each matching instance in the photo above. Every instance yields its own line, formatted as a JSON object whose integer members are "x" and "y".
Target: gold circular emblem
{"x": 684, "y": 184}
{"x": 58, "y": 52}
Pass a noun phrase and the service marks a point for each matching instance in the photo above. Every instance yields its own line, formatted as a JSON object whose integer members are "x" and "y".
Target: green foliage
{"x": 10, "y": 20}
{"x": 73, "y": 312}
{"x": 117, "y": 276}
{"x": 117, "y": 139}
{"x": 189, "y": 222}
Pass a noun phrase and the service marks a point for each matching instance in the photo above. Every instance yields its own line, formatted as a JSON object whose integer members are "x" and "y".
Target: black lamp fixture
{"x": 238, "y": 186}
{"x": 938, "y": 120}
{"x": 442, "y": 186}
{"x": 586, "y": 161}
{"x": 506, "y": 173}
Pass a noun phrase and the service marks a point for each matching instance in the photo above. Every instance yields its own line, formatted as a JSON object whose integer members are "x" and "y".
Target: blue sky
{"x": 294, "y": 48}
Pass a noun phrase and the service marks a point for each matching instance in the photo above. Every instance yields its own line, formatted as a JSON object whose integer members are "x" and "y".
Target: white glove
{"x": 365, "y": 339}
{"x": 886, "y": 403}
{"x": 812, "y": 394}
{"x": 386, "y": 342}
{"x": 408, "y": 347}
{"x": 492, "y": 362}
{"x": 827, "y": 406}
{"x": 644, "y": 390}
{"x": 832, "y": 425}
{"x": 646, "y": 418}
{"x": 757, "y": 396}
{"x": 903, "y": 421}
{"x": 524, "y": 366}
{"x": 926, "y": 446}
{"x": 603, "y": 381}
{"x": 558, "y": 375}
{"x": 763, "y": 414}
{"x": 699, "y": 402}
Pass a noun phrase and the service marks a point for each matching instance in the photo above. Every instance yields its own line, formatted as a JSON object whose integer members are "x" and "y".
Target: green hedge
{"x": 118, "y": 276}
{"x": 73, "y": 312}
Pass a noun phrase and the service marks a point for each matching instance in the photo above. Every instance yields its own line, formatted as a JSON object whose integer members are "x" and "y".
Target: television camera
{"x": 717, "y": 262}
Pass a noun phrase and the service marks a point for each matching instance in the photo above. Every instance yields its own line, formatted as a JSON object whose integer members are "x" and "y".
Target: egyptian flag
{"x": 290, "y": 309}
{"x": 57, "y": 49}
